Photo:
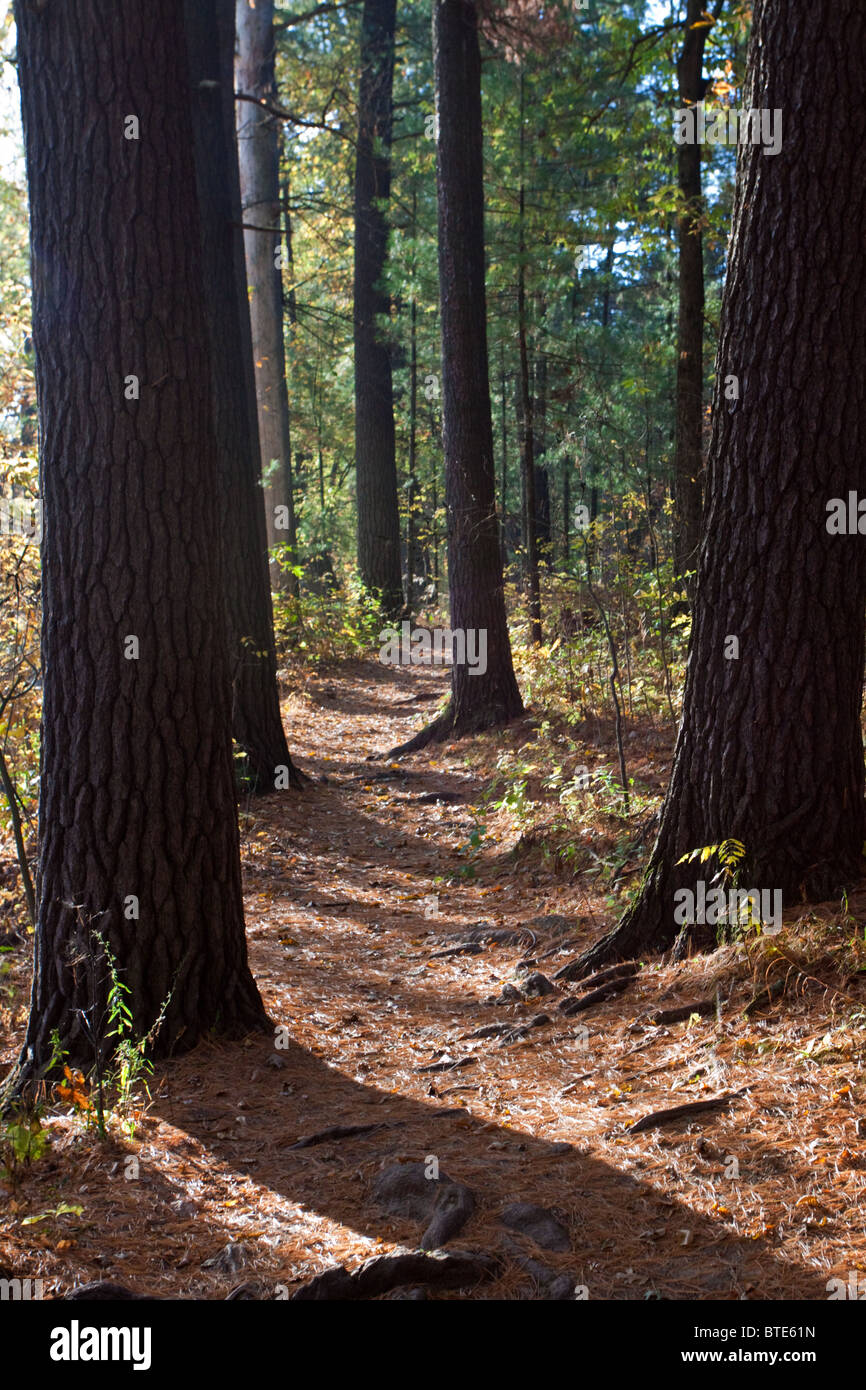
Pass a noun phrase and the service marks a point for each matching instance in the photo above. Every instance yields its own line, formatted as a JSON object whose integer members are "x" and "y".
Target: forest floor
{"x": 353, "y": 889}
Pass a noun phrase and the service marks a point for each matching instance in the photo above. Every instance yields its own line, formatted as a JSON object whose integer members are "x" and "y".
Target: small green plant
{"x": 471, "y": 849}
{"x": 23, "y": 1141}
{"x": 729, "y": 854}
{"x": 130, "y": 1065}
{"x": 52, "y": 1213}
{"x": 23, "y": 1138}
{"x": 121, "y": 1064}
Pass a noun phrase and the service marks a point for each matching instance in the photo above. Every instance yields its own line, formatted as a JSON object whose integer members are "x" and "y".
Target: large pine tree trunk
{"x": 475, "y": 584}
{"x": 478, "y": 701}
{"x": 138, "y": 828}
{"x": 770, "y": 749}
{"x": 256, "y": 721}
{"x": 259, "y": 160}
{"x": 690, "y": 320}
{"x": 375, "y": 456}
{"x": 476, "y": 591}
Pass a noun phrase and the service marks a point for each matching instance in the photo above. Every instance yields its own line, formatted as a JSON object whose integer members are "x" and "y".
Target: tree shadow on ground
{"x": 629, "y": 1240}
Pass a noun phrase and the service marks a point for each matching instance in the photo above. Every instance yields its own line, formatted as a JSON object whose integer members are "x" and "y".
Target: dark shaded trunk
{"x": 256, "y": 721}
{"x": 690, "y": 321}
{"x": 413, "y": 549}
{"x": 480, "y": 700}
{"x": 292, "y": 579}
{"x": 527, "y": 431}
{"x": 566, "y": 511}
{"x": 375, "y": 455}
{"x": 542, "y": 478}
{"x": 770, "y": 749}
{"x": 259, "y": 161}
{"x": 138, "y": 827}
{"x": 503, "y": 428}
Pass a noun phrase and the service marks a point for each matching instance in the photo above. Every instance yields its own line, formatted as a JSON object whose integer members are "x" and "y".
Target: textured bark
{"x": 527, "y": 430}
{"x": 690, "y": 321}
{"x": 292, "y": 579}
{"x": 539, "y": 448}
{"x": 770, "y": 749}
{"x": 413, "y": 496}
{"x": 474, "y": 565}
{"x": 259, "y": 160}
{"x": 137, "y": 793}
{"x": 503, "y": 431}
{"x": 375, "y": 456}
{"x": 256, "y": 721}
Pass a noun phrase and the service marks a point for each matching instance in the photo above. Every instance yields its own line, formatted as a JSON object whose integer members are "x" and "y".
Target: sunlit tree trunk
{"x": 137, "y": 816}
{"x": 770, "y": 750}
{"x": 375, "y": 453}
{"x": 479, "y": 700}
{"x": 259, "y": 160}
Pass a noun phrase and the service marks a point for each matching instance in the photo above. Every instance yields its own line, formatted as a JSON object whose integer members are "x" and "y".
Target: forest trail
{"x": 337, "y": 882}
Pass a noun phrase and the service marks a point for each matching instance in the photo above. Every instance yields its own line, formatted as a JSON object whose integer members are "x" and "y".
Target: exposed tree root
{"x": 260, "y": 772}
{"x": 447, "y": 725}
{"x": 385, "y": 1272}
{"x": 437, "y": 732}
{"x": 682, "y": 1112}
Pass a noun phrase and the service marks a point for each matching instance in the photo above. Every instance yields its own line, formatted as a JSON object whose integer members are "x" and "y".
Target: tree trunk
{"x": 503, "y": 429}
{"x": 477, "y": 597}
{"x": 375, "y": 456}
{"x": 566, "y": 468}
{"x": 770, "y": 749}
{"x": 138, "y": 828}
{"x": 413, "y": 555}
{"x": 256, "y": 721}
{"x": 292, "y": 579}
{"x": 690, "y": 322}
{"x": 539, "y": 427}
{"x": 527, "y": 430}
{"x": 259, "y": 161}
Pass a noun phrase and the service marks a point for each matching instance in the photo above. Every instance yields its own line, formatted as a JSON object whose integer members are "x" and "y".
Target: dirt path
{"x": 352, "y": 890}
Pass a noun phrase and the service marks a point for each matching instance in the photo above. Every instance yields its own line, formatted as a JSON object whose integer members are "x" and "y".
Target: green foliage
{"x": 731, "y": 856}
{"x": 729, "y": 853}
{"x": 325, "y": 626}
{"x": 23, "y": 1141}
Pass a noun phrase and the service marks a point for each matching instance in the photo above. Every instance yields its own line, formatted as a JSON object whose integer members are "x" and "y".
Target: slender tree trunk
{"x": 566, "y": 511}
{"x": 690, "y": 322}
{"x": 503, "y": 427}
{"x": 483, "y": 699}
{"x": 292, "y": 580}
{"x": 412, "y": 556}
{"x": 434, "y": 525}
{"x": 256, "y": 721}
{"x": 770, "y": 750}
{"x": 539, "y": 427}
{"x": 375, "y": 453}
{"x": 527, "y": 429}
{"x": 138, "y": 827}
{"x": 259, "y": 160}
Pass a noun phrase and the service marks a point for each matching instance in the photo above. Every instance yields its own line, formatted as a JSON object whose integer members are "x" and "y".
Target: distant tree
{"x": 258, "y": 127}
{"x": 688, "y": 463}
{"x": 528, "y": 469}
{"x": 375, "y": 456}
{"x": 256, "y": 721}
{"x": 137, "y": 815}
{"x": 770, "y": 749}
{"x": 478, "y": 701}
